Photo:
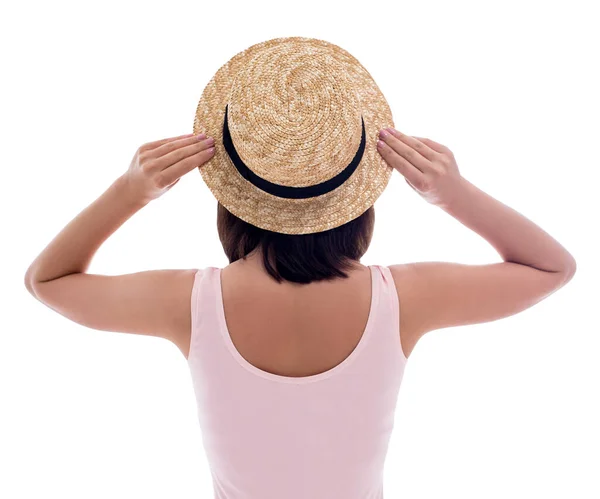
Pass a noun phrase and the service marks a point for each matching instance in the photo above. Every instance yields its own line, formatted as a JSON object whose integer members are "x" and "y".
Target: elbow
{"x": 572, "y": 265}
{"x": 570, "y": 270}
{"x": 28, "y": 281}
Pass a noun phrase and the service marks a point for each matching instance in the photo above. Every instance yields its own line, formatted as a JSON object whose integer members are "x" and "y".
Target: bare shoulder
{"x": 437, "y": 295}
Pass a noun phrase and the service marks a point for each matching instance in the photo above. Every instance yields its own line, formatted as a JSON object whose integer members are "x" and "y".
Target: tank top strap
{"x": 389, "y": 307}
{"x": 205, "y": 341}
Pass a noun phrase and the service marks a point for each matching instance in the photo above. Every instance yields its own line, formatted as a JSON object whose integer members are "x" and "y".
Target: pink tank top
{"x": 268, "y": 436}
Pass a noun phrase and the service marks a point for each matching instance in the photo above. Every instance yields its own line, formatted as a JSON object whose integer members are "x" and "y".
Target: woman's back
{"x": 291, "y": 329}
{"x": 296, "y": 389}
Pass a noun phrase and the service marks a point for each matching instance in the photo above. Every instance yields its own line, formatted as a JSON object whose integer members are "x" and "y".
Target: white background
{"x": 496, "y": 410}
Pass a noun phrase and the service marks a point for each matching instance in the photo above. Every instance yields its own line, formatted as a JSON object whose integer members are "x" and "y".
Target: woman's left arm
{"x": 144, "y": 302}
{"x": 72, "y": 250}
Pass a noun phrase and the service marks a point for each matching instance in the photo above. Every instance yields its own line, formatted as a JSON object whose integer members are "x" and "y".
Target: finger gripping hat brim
{"x": 296, "y": 123}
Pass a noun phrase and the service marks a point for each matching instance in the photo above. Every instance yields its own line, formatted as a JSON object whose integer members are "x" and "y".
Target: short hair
{"x": 300, "y": 258}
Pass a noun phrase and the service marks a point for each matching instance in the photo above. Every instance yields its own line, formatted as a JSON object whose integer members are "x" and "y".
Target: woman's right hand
{"x": 428, "y": 167}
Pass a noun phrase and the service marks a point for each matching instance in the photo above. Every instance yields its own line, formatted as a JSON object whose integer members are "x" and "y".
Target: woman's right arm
{"x": 436, "y": 295}
{"x": 516, "y": 238}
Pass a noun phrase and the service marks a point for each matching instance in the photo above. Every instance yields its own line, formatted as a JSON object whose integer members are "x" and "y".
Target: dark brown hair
{"x": 300, "y": 258}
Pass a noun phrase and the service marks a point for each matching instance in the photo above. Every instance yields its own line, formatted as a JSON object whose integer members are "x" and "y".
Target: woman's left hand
{"x": 158, "y": 166}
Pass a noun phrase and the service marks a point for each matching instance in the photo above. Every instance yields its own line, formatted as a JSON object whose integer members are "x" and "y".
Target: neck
{"x": 255, "y": 260}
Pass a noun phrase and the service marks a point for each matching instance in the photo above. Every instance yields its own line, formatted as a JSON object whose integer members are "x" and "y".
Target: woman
{"x": 296, "y": 349}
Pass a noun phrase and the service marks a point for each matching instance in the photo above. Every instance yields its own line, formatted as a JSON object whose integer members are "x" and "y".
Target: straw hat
{"x": 296, "y": 122}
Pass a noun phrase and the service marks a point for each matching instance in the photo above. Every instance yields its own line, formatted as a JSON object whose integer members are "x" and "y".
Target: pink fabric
{"x": 317, "y": 437}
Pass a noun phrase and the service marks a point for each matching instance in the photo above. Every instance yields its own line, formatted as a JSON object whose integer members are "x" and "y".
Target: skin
{"x": 149, "y": 303}
{"x": 432, "y": 295}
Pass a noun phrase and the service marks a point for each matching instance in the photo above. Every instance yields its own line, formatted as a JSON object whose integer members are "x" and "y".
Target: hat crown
{"x": 294, "y": 116}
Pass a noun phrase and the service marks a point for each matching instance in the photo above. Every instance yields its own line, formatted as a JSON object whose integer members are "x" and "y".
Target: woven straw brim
{"x": 294, "y": 115}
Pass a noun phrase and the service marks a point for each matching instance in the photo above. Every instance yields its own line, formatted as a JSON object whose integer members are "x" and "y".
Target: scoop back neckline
{"x": 296, "y": 379}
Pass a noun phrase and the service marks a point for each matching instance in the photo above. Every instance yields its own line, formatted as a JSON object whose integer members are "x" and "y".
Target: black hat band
{"x": 285, "y": 191}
